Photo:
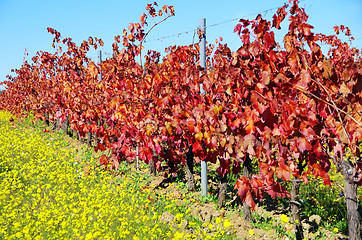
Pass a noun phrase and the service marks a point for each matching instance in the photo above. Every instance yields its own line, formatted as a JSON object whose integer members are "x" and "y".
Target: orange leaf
{"x": 99, "y": 146}
{"x": 217, "y": 109}
{"x": 207, "y": 136}
{"x": 164, "y": 8}
{"x": 149, "y": 129}
{"x": 283, "y": 172}
{"x": 103, "y": 160}
{"x": 244, "y": 191}
{"x": 168, "y": 127}
{"x": 199, "y": 136}
{"x": 305, "y": 178}
{"x": 250, "y": 128}
{"x": 342, "y": 134}
{"x": 304, "y": 79}
{"x": 191, "y": 127}
{"x": 303, "y": 144}
{"x": 235, "y": 124}
{"x": 93, "y": 127}
{"x": 344, "y": 90}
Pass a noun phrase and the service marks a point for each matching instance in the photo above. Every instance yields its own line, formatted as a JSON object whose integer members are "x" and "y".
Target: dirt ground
{"x": 207, "y": 211}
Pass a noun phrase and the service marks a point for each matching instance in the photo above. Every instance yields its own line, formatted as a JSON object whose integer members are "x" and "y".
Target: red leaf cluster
{"x": 287, "y": 108}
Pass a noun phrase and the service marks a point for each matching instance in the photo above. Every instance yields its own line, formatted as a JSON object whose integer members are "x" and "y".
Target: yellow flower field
{"x": 46, "y": 193}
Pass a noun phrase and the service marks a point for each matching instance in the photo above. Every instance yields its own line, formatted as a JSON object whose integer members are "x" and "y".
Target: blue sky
{"x": 23, "y": 23}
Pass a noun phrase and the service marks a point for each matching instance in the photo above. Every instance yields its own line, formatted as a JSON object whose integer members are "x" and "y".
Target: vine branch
{"x": 140, "y": 45}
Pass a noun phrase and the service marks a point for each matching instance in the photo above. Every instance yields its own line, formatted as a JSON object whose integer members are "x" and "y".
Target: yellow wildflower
{"x": 284, "y": 218}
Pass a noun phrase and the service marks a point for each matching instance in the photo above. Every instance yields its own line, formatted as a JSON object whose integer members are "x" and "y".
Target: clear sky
{"x": 23, "y": 23}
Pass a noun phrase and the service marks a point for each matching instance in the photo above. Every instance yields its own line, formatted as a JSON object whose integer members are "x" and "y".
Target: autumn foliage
{"x": 291, "y": 107}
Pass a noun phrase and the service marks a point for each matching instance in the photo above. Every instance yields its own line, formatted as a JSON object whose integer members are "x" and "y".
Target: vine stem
{"x": 140, "y": 45}
{"x": 335, "y": 107}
